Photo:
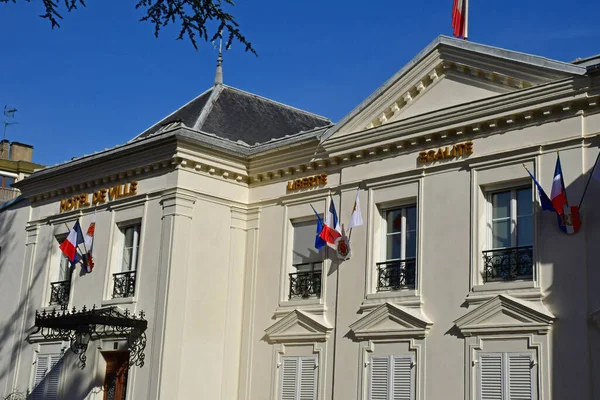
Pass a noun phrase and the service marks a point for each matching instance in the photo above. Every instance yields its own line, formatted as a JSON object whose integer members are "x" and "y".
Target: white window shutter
{"x": 38, "y": 391}
{"x": 46, "y": 378}
{"x": 53, "y": 377}
{"x": 289, "y": 377}
{"x": 402, "y": 378}
{"x": 379, "y": 385}
{"x": 490, "y": 376}
{"x": 308, "y": 378}
{"x": 520, "y": 377}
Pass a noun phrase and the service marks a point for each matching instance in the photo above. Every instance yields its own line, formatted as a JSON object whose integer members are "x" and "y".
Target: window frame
{"x": 117, "y": 253}
{"x": 383, "y": 247}
{"x": 55, "y": 268}
{"x": 293, "y": 267}
{"x": 136, "y": 238}
{"x": 44, "y": 350}
{"x": 384, "y": 225}
{"x": 513, "y": 217}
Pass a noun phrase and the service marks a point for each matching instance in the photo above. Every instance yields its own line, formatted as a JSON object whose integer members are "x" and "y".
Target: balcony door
{"x": 115, "y": 378}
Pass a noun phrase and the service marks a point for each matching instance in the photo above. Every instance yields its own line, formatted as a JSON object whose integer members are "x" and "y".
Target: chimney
{"x": 4, "y": 148}
{"x": 21, "y": 152}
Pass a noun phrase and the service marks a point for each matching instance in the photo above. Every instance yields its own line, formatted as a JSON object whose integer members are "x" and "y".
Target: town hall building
{"x": 205, "y": 281}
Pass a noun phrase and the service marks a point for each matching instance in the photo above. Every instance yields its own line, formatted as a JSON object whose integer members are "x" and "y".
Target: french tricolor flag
{"x": 330, "y": 231}
{"x": 459, "y": 18}
{"x": 74, "y": 239}
{"x": 558, "y": 193}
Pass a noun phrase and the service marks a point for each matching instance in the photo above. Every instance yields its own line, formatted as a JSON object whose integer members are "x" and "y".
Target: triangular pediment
{"x": 448, "y": 73}
{"x": 390, "y": 320}
{"x": 504, "y": 314}
{"x": 298, "y": 326}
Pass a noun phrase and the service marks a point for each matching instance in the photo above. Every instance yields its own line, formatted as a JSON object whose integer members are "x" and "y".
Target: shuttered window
{"x": 392, "y": 378}
{"x": 46, "y": 379}
{"x": 298, "y": 378}
{"x": 506, "y": 376}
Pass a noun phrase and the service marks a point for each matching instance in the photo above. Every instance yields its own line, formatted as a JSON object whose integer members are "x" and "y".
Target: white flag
{"x": 356, "y": 218}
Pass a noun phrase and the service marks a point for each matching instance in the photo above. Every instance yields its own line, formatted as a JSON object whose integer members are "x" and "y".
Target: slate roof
{"x": 237, "y": 115}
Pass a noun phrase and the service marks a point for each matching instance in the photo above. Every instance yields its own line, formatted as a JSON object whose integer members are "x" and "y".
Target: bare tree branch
{"x": 193, "y": 17}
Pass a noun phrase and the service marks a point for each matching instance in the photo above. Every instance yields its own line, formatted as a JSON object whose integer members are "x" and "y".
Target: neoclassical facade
{"x": 206, "y": 283}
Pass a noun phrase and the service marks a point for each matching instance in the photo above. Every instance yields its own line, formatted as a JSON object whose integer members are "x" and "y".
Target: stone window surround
{"x": 381, "y": 196}
{"x": 292, "y": 349}
{"x": 295, "y": 211}
{"x": 124, "y": 214}
{"x": 494, "y": 176}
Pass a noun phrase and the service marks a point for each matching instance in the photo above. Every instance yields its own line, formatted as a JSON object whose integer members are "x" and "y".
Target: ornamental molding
{"x": 408, "y": 137}
{"x": 506, "y": 314}
{"x": 139, "y": 172}
{"x": 298, "y": 326}
{"x": 392, "y": 321}
{"x": 443, "y": 69}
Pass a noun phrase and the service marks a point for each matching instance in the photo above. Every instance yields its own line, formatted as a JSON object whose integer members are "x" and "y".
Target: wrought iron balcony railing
{"x": 508, "y": 264}
{"x": 59, "y": 293}
{"x": 304, "y": 285}
{"x": 396, "y": 275}
{"x": 123, "y": 284}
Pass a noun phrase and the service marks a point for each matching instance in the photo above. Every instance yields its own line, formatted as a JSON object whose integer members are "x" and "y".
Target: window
{"x": 506, "y": 376}
{"x": 307, "y": 262}
{"x": 124, "y": 279}
{"x": 510, "y": 238}
{"x": 60, "y": 286}
{"x": 298, "y": 378}
{"x": 46, "y": 377}
{"x": 391, "y": 378}
{"x": 398, "y": 271}
{"x": 6, "y": 181}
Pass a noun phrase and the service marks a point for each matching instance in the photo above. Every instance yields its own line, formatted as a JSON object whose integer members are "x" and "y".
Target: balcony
{"x": 124, "y": 284}
{"x": 7, "y": 194}
{"x": 59, "y": 294}
{"x": 304, "y": 285}
{"x": 515, "y": 263}
{"x": 396, "y": 275}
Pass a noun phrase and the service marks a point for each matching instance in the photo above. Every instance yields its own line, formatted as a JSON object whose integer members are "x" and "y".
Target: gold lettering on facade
{"x": 99, "y": 196}
{"x": 442, "y": 153}
{"x": 309, "y": 181}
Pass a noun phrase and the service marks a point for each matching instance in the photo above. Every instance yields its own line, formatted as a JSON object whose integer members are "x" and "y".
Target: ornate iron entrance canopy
{"x": 79, "y": 327}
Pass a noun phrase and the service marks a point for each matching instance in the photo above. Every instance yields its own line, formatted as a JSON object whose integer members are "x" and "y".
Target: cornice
{"x": 410, "y": 94}
{"x": 138, "y": 172}
{"x": 412, "y": 136}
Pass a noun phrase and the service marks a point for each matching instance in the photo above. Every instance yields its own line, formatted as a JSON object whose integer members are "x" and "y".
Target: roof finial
{"x": 219, "y": 74}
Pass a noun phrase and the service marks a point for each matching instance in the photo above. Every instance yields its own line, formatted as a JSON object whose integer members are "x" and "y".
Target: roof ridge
{"x": 167, "y": 116}
{"x": 212, "y": 99}
{"x": 276, "y": 102}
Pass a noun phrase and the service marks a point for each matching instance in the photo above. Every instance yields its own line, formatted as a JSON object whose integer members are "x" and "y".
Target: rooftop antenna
{"x": 219, "y": 74}
{"x": 9, "y": 116}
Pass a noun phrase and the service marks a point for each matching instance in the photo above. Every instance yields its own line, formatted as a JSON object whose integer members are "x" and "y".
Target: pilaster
{"x": 177, "y": 212}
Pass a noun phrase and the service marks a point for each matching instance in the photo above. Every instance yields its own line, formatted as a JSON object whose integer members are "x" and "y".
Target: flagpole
{"x": 466, "y": 36}
{"x": 589, "y": 179}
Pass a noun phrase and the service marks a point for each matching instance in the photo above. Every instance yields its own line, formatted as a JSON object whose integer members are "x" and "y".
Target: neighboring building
{"x": 15, "y": 164}
{"x": 458, "y": 285}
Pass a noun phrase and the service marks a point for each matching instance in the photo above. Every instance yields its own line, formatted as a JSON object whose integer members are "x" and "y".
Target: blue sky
{"x": 102, "y": 78}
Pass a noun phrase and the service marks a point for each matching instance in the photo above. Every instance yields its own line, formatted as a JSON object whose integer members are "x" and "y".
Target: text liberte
{"x": 99, "y": 196}
{"x": 309, "y": 181}
{"x": 446, "y": 152}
